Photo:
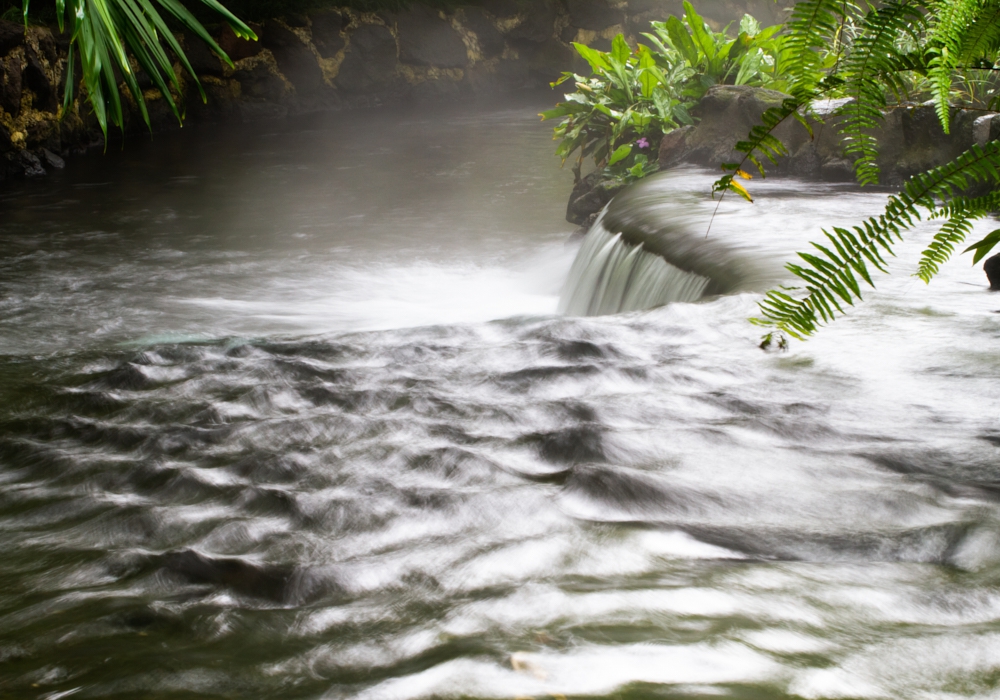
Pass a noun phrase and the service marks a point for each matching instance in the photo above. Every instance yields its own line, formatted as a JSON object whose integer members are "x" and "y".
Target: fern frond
{"x": 982, "y": 38}
{"x": 873, "y": 62}
{"x": 831, "y": 277}
{"x": 950, "y": 21}
{"x": 812, "y": 27}
{"x": 960, "y": 213}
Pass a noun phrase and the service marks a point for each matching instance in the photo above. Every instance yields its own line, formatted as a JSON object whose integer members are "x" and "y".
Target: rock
{"x": 30, "y": 165}
{"x": 490, "y": 39}
{"x": 36, "y": 79}
{"x": 326, "y": 33}
{"x": 259, "y": 81}
{"x": 427, "y": 40}
{"x": 53, "y": 160}
{"x": 986, "y": 129}
{"x": 537, "y": 27}
{"x": 236, "y": 48}
{"x": 6, "y": 144}
{"x": 202, "y": 59}
{"x": 10, "y": 86}
{"x": 296, "y": 19}
{"x": 501, "y": 8}
{"x": 589, "y": 196}
{"x": 294, "y": 58}
{"x": 370, "y": 59}
{"x": 673, "y": 147}
{"x": 593, "y": 14}
{"x": 992, "y": 269}
{"x": 11, "y": 36}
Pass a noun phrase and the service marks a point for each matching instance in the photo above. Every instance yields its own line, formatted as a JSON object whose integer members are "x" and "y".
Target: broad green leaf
{"x": 620, "y": 153}
{"x": 620, "y": 50}
{"x": 597, "y": 59}
{"x": 697, "y": 26}
{"x": 984, "y": 246}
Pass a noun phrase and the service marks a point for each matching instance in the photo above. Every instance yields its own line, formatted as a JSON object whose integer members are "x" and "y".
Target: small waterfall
{"x": 650, "y": 247}
{"x": 610, "y": 275}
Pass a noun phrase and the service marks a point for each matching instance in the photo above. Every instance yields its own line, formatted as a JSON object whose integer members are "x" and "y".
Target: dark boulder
{"x": 490, "y": 39}
{"x": 37, "y": 80}
{"x": 29, "y": 164}
{"x": 593, "y": 14}
{"x": 538, "y": 26}
{"x": 294, "y": 58}
{"x": 589, "y": 196}
{"x": 501, "y": 8}
{"x": 202, "y": 59}
{"x": 370, "y": 59}
{"x": 427, "y": 40}
{"x": 326, "y": 33}
{"x": 52, "y": 160}
{"x": 237, "y": 48}
{"x": 260, "y": 82}
{"x": 992, "y": 269}
{"x": 11, "y": 36}
{"x": 10, "y": 86}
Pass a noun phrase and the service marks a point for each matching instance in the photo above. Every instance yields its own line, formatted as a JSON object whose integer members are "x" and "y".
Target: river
{"x": 289, "y": 411}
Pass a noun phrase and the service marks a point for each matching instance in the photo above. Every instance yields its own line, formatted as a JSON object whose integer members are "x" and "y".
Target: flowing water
{"x": 291, "y": 413}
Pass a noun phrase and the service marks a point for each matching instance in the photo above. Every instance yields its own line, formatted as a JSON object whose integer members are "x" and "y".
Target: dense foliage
{"x": 619, "y": 114}
{"x": 902, "y": 49}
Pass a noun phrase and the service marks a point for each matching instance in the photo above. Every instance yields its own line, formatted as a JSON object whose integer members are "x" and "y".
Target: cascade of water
{"x": 611, "y": 275}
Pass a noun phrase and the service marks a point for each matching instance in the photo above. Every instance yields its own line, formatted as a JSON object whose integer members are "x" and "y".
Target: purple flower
{"x": 642, "y": 143}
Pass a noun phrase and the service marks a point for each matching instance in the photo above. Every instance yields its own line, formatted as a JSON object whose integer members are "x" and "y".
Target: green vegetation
{"x": 112, "y": 40}
{"x": 880, "y": 56}
{"x": 903, "y": 49}
{"x": 620, "y": 113}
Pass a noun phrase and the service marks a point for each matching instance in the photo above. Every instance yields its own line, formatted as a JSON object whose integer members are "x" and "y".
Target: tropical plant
{"x": 115, "y": 39}
{"x": 619, "y": 114}
{"x": 940, "y": 43}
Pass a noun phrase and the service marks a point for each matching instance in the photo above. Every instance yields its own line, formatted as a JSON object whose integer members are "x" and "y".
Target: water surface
{"x": 290, "y": 413}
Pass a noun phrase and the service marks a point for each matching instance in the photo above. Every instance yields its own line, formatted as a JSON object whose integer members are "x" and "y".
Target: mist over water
{"x": 291, "y": 413}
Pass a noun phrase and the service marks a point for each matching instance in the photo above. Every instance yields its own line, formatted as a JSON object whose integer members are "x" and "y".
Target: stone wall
{"x": 333, "y": 58}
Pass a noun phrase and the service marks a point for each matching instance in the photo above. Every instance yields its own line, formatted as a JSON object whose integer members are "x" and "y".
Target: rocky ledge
{"x": 331, "y": 58}
{"x": 910, "y": 141}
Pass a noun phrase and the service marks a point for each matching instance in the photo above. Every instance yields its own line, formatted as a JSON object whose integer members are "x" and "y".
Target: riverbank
{"x": 333, "y": 58}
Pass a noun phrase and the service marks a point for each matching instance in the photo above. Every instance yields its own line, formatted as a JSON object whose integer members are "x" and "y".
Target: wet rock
{"x": 237, "y": 48}
{"x": 11, "y": 36}
{"x": 593, "y": 14}
{"x": 326, "y": 33}
{"x": 37, "y": 80}
{"x": 10, "y": 86}
{"x": 490, "y": 39}
{"x": 501, "y": 8}
{"x": 537, "y": 27}
{"x": 259, "y": 81}
{"x": 427, "y": 40}
{"x": 986, "y": 129}
{"x": 202, "y": 59}
{"x": 294, "y": 58}
{"x": 296, "y": 19}
{"x": 30, "y": 165}
{"x": 589, "y": 196}
{"x": 52, "y": 160}
{"x": 992, "y": 269}
{"x": 370, "y": 60}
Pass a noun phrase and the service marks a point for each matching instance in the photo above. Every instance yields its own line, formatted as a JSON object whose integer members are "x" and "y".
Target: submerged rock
{"x": 992, "y": 269}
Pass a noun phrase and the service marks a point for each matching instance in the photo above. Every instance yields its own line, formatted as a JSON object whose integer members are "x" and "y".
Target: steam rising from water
{"x": 626, "y": 506}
